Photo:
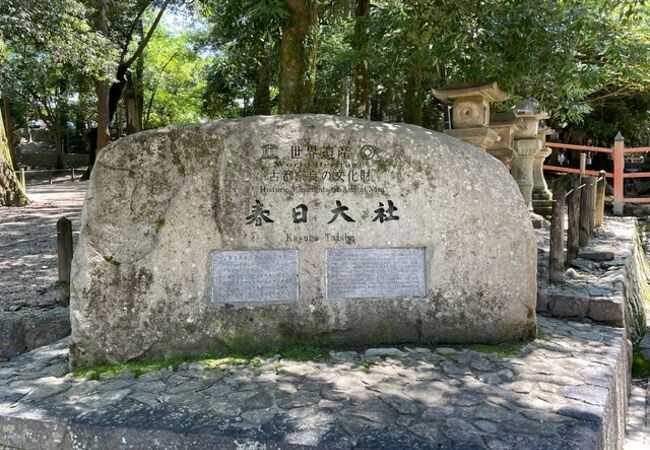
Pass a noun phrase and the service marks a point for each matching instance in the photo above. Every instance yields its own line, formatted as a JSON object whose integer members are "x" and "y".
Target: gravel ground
{"x": 28, "y": 262}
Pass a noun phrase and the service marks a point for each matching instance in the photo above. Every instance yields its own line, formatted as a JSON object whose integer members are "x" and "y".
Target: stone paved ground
{"x": 637, "y": 435}
{"x": 551, "y": 394}
{"x": 28, "y": 243}
{"x": 29, "y": 315}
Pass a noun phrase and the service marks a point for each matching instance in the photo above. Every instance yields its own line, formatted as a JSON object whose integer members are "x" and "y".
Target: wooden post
{"x": 50, "y": 172}
{"x": 592, "y": 186}
{"x": 556, "y": 261}
{"x": 619, "y": 169}
{"x": 600, "y": 199}
{"x": 586, "y": 210}
{"x": 583, "y": 164}
{"x": 573, "y": 200}
{"x": 64, "y": 247}
{"x": 22, "y": 179}
{"x": 72, "y": 174}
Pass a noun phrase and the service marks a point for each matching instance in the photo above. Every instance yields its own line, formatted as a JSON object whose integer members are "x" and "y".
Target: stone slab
{"x": 160, "y": 202}
{"x": 425, "y": 398}
{"x": 30, "y": 328}
{"x": 255, "y": 276}
{"x": 376, "y": 273}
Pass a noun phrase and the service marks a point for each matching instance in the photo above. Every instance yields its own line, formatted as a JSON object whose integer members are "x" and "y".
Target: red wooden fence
{"x": 618, "y": 153}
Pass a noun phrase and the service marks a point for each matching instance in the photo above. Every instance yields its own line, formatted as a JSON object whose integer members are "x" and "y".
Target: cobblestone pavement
{"x": 551, "y": 394}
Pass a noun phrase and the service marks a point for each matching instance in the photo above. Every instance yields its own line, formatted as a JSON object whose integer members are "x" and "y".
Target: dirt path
{"x": 28, "y": 262}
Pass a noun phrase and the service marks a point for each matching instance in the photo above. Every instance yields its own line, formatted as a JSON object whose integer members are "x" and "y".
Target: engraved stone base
{"x": 539, "y": 221}
{"x": 542, "y": 197}
{"x": 482, "y": 137}
{"x": 543, "y": 207}
{"x": 505, "y": 155}
{"x": 522, "y": 167}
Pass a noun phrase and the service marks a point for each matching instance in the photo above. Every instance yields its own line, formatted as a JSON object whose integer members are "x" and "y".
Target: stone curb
{"x": 31, "y": 328}
{"x": 606, "y": 281}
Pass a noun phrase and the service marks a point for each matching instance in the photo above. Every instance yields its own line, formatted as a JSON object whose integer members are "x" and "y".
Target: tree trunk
{"x": 377, "y": 110}
{"x": 345, "y": 97}
{"x": 9, "y": 128}
{"x": 262, "y": 99}
{"x": 102, "y": 88}
{"x": 413, "y": 97}
{"x": 108, "y": 95}
{"x": 58, "y": 145}
{"x": 100, "y": 136}
{"x": 134, "y": 91}
{"x": 134, "y": 98}
{"x": 297, "y": 58}
{"x": 11, "y": 192}
{"x": 361, "y": 77}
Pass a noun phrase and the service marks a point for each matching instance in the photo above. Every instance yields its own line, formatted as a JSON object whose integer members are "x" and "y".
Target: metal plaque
{"x": 254, "y": 276}
{"x": 376, "y": 273}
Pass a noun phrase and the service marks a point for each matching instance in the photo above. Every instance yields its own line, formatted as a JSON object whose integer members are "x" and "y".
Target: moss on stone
{"x": 160, "y": 223}
{"x": 367, "y": 365}
{"x": 303, "y": 353}
{"x": 502, "y": 350}
{"x": 110, "y": 259}
{"x": 640, "y": 365}
{"x": 207, "y": 360}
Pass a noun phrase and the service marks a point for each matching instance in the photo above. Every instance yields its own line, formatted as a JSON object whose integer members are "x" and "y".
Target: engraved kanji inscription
{"x": 383, "y": 214}
{"x": 340, "y": 211}
{"x": 258, "y": 215}
{"x": 299, "y": 213}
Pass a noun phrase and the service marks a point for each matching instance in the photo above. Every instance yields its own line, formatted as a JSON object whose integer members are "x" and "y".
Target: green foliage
{"x": 49, "y": 53}
{"x": 58, "y": 33}
{"x": 566, "y": 54}
{"x": 587, "y": 61}
{"x": 174, "y": 79}
{"x": 245, "y": 35}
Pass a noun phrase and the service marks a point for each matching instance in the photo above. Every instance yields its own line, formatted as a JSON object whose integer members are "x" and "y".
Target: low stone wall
{"x": 607, "y": 283}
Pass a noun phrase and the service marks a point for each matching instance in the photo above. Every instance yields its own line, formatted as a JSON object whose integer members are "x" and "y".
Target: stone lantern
{"x": 527, "y": 145}
{"x": 542, "y": 197}
{"x": 471, "y": 112}
{"x": 504, "y": 124}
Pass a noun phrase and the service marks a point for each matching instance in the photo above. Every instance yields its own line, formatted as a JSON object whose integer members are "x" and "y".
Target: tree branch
{"x": 149, "y": 106}
{"x": 134, "y": 23}
{"x": 622, "y": 90}
{"x": 145, "y": 40}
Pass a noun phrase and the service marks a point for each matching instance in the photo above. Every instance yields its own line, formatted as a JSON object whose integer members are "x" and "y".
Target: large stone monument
{"x": 471, "y": 112}
{"x": 269, "y": 231}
